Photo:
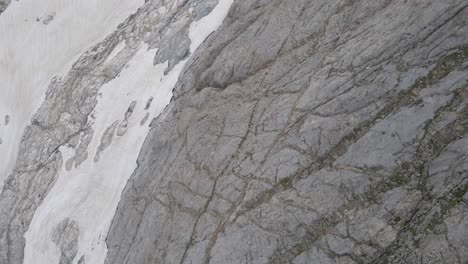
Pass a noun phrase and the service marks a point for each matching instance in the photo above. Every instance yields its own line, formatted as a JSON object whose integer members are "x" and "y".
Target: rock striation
{"x": 310, "y": 132}
{"x": 298, "y": 132}
{"x": 66, "y": 119}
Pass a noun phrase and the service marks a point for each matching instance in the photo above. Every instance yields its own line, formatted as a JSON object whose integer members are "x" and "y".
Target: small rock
{"x": 69, "y": 163}
{"x": 106, "y": 140}
{"x": 130, "y": 110}
{"x": 49, "y": 18}
{"x": 65, "y": 236}
{"x": 145, "y": 118}
{"x": 148, "y": 104}
{"x": 81, "y": 260}
{"x": 7, "y": 120}
{"x": 122, "y": 128}
{"x": 81, "y": 152}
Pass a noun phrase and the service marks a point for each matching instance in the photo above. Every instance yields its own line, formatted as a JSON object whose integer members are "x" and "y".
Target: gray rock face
{"x": 310, "y": 132}
{"x": 65, "y": 117}
{"x": 48, "y": 18}
{"x": 65, "y": 236}
{"x": 82, "y": 260}
{"x": 106, "y": 140}
{"x": 3, "y": 5}
{"x": 299, "y": 132}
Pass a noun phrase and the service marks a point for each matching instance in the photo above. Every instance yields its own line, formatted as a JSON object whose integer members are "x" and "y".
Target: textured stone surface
{"x": 310, "y": 132}
{"x": 65, "y": 117}
{"x": 65, "y": 236}
{"x": 3, "y": 5}
{"x": 300, "y": 132}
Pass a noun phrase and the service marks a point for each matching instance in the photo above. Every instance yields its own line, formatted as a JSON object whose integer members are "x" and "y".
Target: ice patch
{"x": 32, "y": 53}
{"x": 201, "y": 29}
{"x": 90, "y": 193}
{"x": 67, "y": 153}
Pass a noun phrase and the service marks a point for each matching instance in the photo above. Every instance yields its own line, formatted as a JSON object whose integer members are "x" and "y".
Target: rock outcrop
{"x": 3, "y": 5}
{"x": 298, "y": 132}
{"x": 66, "y": 119}
{"x": 65, "y": 236}
{"x": 310, "y": 132}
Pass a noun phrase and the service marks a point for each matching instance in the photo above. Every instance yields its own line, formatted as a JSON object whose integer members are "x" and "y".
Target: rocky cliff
{"x": 229, "y": 131}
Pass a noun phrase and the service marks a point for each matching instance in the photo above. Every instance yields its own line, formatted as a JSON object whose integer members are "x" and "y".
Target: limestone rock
{"x": 298, "y": 132}
{"x": 65, "y": 236}
{"x": 309, "y": 132}
{"x": 3, "y": 5}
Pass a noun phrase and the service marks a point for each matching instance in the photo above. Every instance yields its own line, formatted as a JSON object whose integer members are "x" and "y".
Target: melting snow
{"x": 90, "y": 193}
{"x": 32, "y": 53}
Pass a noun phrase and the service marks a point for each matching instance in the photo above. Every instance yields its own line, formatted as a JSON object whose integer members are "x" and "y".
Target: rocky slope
{"x": 3, "y": 5}
{"x": 298, "y": 132}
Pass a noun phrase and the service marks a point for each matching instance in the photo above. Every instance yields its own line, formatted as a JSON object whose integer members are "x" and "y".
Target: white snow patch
{"x": 90, "y": 193}
{"x": 67, "y": 153}
{"x": 201, "y": 29}
{"x": 32, "y": 53}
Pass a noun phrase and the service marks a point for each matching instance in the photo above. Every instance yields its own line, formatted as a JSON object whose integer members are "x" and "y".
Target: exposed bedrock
{"x": 299, "y": 132}
{"x": 66, "y": 118}
{"x": 65, "y": 236}
{"x": 3, "y": 5}
{"x": 309, "y": 132}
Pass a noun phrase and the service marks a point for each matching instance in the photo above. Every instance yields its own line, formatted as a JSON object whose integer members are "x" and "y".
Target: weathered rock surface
{"x": 299, "y": 132}
{"x": 65, "y": 119}
{"x": 65, "y": 236}
{"x": 310, "y": 132}
{"x": 3, "y": 5}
